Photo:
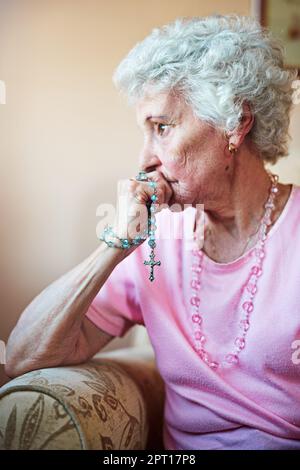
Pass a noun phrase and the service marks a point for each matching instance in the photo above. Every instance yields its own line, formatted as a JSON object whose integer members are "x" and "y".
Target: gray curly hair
{"x": 217, "y": 63}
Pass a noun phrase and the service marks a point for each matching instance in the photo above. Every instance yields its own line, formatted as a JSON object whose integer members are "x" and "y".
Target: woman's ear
{"x": 237, "y": 136}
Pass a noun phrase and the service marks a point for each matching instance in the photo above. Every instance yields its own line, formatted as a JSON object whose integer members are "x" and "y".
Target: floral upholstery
{"x": 114, "y": 401}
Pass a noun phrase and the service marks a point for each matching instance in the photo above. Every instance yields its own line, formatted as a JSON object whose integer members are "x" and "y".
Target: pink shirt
{"x": 254, "y": 405}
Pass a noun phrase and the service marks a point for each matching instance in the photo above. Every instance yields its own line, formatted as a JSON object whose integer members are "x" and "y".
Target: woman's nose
{"x": 148, "y": 160}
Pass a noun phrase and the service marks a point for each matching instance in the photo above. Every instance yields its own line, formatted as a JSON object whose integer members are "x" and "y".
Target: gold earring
{"x": 232, "y": 148}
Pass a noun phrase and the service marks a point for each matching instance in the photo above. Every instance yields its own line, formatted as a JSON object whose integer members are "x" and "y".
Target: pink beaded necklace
{"x": 249, "y": 290}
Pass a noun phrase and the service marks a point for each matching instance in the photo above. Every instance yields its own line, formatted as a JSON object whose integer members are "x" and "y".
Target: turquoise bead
{"x": 153, "y": 197}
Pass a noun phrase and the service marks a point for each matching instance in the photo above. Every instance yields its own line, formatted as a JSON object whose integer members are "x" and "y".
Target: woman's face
{"x": 187, "y": 151}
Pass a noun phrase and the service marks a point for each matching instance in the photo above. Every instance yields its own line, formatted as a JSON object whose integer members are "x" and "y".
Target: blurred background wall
{"x": 66, "y": 136}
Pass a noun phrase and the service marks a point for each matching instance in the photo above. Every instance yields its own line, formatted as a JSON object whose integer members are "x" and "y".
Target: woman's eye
{"x": 161, "y": 128}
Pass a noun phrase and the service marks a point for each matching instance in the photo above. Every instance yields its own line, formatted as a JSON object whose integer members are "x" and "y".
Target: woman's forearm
{"x": 48, "y": 330}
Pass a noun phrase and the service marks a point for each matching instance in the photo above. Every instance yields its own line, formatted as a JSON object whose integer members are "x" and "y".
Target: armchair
{"x": 114, "y": 401}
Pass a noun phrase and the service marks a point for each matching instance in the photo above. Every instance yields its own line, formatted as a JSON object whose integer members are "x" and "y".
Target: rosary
{"x": 109, "y": 236}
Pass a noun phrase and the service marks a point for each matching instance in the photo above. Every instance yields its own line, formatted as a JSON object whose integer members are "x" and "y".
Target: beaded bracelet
{"x": 109, "y": 236}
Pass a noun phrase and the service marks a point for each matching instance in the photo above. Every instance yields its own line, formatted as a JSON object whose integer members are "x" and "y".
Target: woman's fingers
{"x": 163, "y": 189}
{"x": 134, "y": 198}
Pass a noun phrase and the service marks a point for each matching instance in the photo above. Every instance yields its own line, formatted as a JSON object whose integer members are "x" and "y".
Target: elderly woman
{"x": 213, "y": 100}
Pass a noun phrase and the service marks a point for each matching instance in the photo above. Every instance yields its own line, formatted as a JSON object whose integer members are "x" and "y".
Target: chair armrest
{"x": 114, "y": 401}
